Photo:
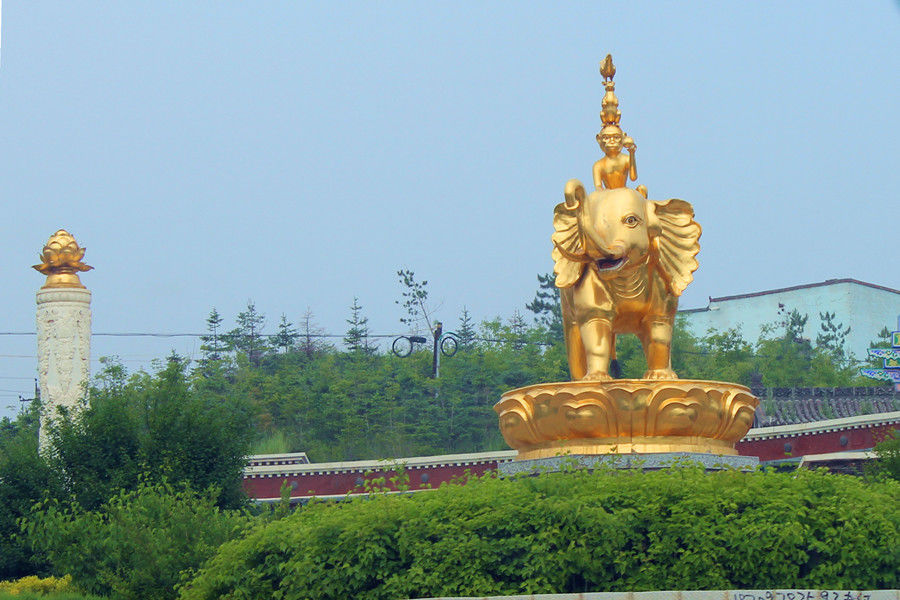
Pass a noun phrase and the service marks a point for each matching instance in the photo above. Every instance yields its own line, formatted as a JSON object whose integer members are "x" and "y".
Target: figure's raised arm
{"x": 632, "y": 166}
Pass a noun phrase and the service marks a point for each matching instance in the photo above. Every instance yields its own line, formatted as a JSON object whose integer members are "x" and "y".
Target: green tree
{"x": 214, "y": 345}
{"x": 414, "y": 300}
{"x": 287, "y": 335}
{"x": 721, "y": 355}
{"x": 25, "y": 479}
{"x": 784, "y": 355}
{"x": 887, "y": 457}
{"x": 832, "y": 338}
{"x": 357, "y": 337}
{"x": 630, "y": 356}
{"x": 154, "y": 426}
{"x": 466, "y": 332}
{"x": 546, "y": 307}
{"x": 518, "y": 330}
{"x": 248, "y": 336}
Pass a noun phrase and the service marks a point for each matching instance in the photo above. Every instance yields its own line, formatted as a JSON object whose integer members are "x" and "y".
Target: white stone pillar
{"x": 63, "y": 331}
{"x": 64, "y": 352}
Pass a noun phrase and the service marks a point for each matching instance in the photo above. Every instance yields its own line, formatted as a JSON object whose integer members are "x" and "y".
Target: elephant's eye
{"x": 631, "y": 221}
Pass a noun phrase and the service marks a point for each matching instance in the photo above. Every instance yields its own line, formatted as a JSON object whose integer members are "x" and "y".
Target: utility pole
{"x": 436, "y": 355}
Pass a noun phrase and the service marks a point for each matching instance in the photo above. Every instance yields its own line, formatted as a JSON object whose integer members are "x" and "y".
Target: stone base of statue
{"x": 626, "y": 417}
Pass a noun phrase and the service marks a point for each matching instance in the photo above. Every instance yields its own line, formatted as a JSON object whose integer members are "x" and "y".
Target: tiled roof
{"x": 787, "y": 406}
{"x": 257, "y": 468}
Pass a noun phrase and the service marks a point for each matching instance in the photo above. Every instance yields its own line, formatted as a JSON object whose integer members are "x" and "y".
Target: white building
{"x": 865, "y": 307}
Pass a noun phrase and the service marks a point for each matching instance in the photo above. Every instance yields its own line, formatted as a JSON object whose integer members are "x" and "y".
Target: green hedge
{"x": 572, "y": 532}
{"x": 37, "y": 588}
{"x": 138, "y": 544}
{"x": 50, "y": 596}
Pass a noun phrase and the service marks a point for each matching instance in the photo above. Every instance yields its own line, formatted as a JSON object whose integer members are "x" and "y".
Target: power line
{"x": 263, "y": 335}
{"x": 199, "y": 335}
{"x": 139, "y": 334}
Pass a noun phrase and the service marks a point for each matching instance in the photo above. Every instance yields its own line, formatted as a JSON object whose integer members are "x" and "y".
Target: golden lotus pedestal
{"x": 626, "y": 417}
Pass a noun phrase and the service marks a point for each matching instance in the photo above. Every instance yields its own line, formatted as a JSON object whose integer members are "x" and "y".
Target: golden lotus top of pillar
{"x": 61, "y": 261}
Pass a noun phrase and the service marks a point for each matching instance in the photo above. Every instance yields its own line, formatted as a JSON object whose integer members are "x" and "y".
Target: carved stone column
{"x": 64, "y": 351}
{"x": 63, "y": 331}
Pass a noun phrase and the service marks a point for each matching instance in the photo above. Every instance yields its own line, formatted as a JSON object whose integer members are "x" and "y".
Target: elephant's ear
{"x": 568, "y": 242}
{"x": 677, "y": 242}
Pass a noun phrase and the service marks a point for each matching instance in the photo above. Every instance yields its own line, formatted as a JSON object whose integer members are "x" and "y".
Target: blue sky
{"x": 300, "y": 153}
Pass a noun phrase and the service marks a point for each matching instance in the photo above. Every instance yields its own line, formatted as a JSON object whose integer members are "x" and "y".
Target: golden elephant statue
{"x": 621, "y": 262}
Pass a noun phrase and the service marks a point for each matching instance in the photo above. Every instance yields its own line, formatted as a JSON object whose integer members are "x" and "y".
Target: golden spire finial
{"x": 607, "y": 68}
{"x": 61, "y": 261}
{"x": 610, "y": 113}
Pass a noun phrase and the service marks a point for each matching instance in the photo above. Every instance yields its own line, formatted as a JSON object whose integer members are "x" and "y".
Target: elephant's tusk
{"x": 569, "y": 255}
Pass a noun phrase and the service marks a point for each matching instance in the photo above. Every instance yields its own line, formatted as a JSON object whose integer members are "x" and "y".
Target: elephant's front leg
{"x": 598, "y": 339}
{"x": 657, "y": 341}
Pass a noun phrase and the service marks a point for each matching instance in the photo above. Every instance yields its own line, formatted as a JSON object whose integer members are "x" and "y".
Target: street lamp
{"x": 445, "y": 342}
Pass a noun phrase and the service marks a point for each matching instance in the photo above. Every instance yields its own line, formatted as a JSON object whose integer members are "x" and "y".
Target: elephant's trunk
{"x": 573, "y": 257}
{"x": 617, "y": 250}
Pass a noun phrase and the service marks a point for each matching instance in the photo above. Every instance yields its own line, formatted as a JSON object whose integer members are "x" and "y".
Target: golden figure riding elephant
{"x": 621, "y": 262}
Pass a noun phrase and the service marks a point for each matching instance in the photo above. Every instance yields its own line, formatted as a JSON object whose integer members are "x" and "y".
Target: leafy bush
{"x": 137, "y": 544}
{"x": 36, "y": 588}
{"x": 24, "y": 480}
{"x": 574, "y": 532}
{"x": 153, "y": 425}
{"x": 37, "y": 585}
{"x": 887, "y": 457}
{"x": 50, "y": 596}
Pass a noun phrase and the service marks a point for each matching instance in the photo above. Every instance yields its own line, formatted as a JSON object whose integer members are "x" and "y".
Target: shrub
{"x": 48, "y": 588}
{"x": 37, "y": 585}
{"x": 887, "y": 457}
{"x": 152, "y": 426}
{"x": 138, "y": 544}
{"x": 24, "y": 480}
{"x": 51, "y": 596}
{"x": 574, "y": 532}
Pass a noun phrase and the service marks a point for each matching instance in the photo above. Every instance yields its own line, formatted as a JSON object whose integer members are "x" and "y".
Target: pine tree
{"x": 357, "y": 336}
{"x": 783, "y": 354}
{"x": 466, "y": 333}
{"x": 832, "y": 336}
{"x": 287, "y": 335}
{"x": 795, "y": 327}
{"x": 518, "y": 329}
{"x": 546, "y": 307}
{"x": 248, "y": 335}
{"x": 311, "y": 335}
{"x": 215, "y": 345}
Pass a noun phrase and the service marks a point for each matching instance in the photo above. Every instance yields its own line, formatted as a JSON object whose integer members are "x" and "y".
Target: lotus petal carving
{"x": 626, "y": 415}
